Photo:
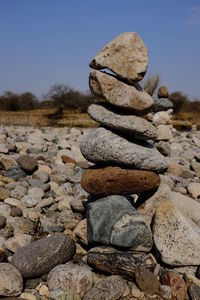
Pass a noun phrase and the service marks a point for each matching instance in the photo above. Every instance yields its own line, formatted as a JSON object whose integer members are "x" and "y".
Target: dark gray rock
{"x": 15, "y": 172}
{"x": 194, "y": 292}
{"x": 162, "y": 104}
{"x": 41, "y": 256}
{"x": 124, "y": 263}
{"x": 2, "y": 222}
{"x": 114, "y": 221}
{"x": 104, "y": 146}
{"x": 113, "y": 118}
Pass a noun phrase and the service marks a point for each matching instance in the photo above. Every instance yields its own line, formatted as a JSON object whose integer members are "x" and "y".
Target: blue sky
{"x": 43, "y": 42}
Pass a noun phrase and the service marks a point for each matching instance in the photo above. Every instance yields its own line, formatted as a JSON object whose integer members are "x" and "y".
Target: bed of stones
{"x": 41, "y": 197}
{"x": 133, "y": 232}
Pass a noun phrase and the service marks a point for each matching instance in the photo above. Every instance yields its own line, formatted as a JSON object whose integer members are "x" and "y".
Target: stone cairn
{"x": 126, "y": 163}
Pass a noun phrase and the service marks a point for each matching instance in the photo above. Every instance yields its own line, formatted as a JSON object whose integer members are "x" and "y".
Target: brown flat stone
{"x": 67, "y": 160}
{"x": 118, "y": 181}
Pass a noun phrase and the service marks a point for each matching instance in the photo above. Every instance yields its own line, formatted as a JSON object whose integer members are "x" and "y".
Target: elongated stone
{"x": 103, "y": 146}
{"x": 124, "y": 263}
{"x": 131, "y": 97}
{"x": 113, "y": 118}
{"x": 126, "y": 55}
{"x": 118, "y": 181}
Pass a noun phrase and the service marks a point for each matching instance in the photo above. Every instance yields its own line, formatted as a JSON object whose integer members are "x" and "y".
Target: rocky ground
{"x": 44, "y": 250}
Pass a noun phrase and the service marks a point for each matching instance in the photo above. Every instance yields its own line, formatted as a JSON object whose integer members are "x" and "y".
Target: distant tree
{"x": 58, "y": 94}
{"x": 151, "y": 83}
{"x": 28, "y": 101}
{"x": 179, "y": 100}
{"x": 62, "y": 96}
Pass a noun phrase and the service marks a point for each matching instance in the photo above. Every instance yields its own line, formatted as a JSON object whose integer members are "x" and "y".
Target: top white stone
{"x": 126, "y": 56}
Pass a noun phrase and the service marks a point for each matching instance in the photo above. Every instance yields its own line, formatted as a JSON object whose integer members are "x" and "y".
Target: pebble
{"x": 71, "y": 278}
{"x": 11, "y": 282}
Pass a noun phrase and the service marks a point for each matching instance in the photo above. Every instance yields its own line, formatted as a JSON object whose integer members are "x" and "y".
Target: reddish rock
{"x": 177, "y": 284}
{"x": 146, "y": 281}
{"x": 67, "y": 160}
{"x": 118, "y": 181}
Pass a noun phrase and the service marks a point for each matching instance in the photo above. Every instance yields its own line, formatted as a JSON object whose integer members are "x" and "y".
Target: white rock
{"x": 175, "y": 229}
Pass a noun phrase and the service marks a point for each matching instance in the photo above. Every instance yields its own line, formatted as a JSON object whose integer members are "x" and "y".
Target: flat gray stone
{"x": 130, "y": 97}
{"x": 126, "y": 55}
{"x": 41, "y": 256}
{"x": 103, "y": 146}
{"x": 114, "y": 221}
{"x": 116, "y": 119}
{"x": 162, "y": 104}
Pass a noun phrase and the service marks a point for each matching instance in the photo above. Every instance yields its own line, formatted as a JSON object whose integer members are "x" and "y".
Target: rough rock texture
{"x": 146, "y": 280}
{"x": 124, "y": 263}
{"x": 132, "y": 97}
{"x": 27, "y": 163}
{"x": 126, "y": 55}
{"x": 177, "y": 284}
{"x": 118, "y": 181}
{"x": 163, "y": 92}
{"x": 71, "y": 277}
{"x": 115, "y": 119}
{"x": 111, "y": 288}
{"x": 11, "y": 283}
{"x": 175, "y": 230}
{"x": 104, "y": 146}
{"x": 41, "y": 256}
{"x": 194, "y": 291}
{"x": 114, "y": 221}
{"x": 162, "y": 104}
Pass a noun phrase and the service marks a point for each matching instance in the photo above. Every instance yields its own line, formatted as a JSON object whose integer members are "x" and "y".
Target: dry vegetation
{"x": 64, "y": 106}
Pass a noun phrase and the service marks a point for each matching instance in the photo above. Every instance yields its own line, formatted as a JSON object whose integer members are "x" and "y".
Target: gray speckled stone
{"x": 114, "y": 221}
{"x": 162, "y": 104}
{"x": 104, "y": 146}
{"x": 113, "y": 118}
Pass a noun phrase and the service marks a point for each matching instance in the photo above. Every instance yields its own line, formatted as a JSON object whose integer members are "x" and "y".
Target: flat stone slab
{"x": 114, "y": 221}
{"x": 132, "y": 97}
{"x": 118, "y": 181}
{"x": 126, "y": 56}
{"x": 116, "y": 119}
{"x": 102, "y": 146}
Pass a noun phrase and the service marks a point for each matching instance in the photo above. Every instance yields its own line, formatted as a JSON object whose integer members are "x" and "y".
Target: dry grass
{"x": 40, "y": 117}
{"x": 185, "y": 120}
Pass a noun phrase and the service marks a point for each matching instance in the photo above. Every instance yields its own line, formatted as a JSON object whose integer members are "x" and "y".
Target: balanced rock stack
{"x": 163, "y": 109}
{"x": 125, "y": 161}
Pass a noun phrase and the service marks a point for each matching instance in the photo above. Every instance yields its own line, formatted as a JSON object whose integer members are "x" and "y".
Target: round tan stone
{"x": 118, "y": 181}
{"x": 163, "y": 92}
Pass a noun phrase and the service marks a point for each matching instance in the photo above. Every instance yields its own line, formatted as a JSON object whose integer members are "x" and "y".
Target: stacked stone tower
{"x": 126, "y": 162}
